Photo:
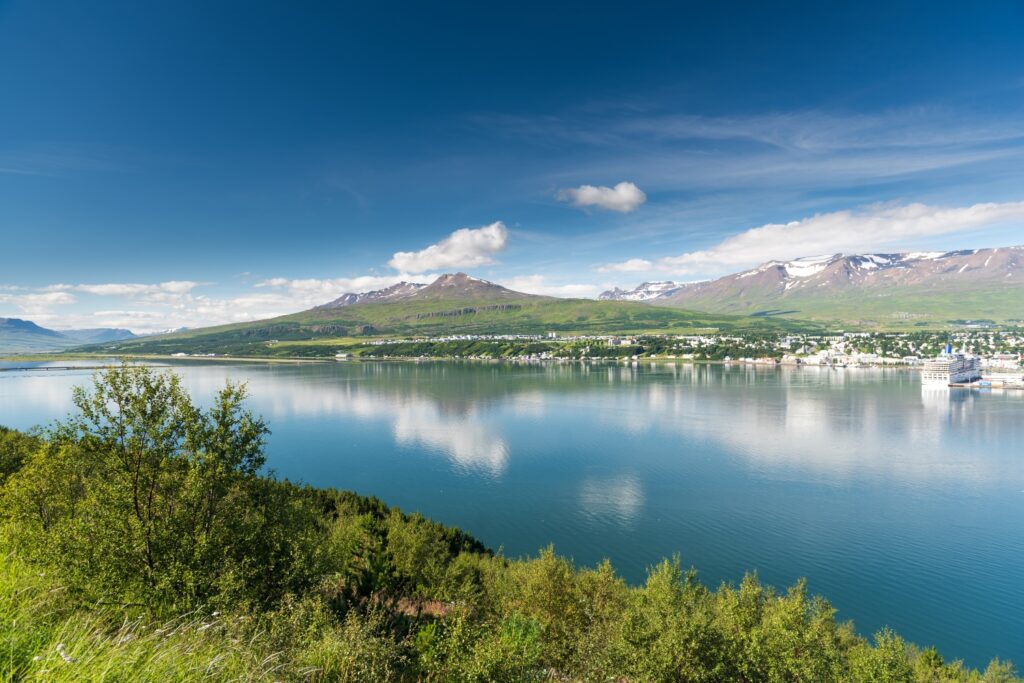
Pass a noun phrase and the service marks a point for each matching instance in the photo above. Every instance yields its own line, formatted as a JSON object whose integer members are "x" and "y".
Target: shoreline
{"x": 41, "y": 358}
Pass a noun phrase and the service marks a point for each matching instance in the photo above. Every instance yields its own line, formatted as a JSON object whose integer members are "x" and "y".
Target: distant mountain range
{"x": 24, "y": 336}
{"x": 452, "y": 304}
{"x": 860, "y": 289}
{"x": 881, "y": 291}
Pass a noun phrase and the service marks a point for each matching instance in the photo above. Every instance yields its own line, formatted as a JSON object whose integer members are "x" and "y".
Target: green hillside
{"x": 435, "y": 317}
{"x": 890, "y": 308}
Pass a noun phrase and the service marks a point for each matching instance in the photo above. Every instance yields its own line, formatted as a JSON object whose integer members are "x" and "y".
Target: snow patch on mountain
{"x": 643, "y": 292}
{"x": 806, "y": 267}
{"x": 402, "y": 290}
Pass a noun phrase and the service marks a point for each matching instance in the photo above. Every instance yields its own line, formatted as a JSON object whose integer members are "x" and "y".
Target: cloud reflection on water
{"x": 467, "y": 442}
{"x": 456, "y": 429}
{"x": 777, "y": 420}
{"x": 789, "y": 419}
{"x": 620, "y": 499}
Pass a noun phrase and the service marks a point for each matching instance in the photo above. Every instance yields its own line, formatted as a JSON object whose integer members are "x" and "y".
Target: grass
{"x": 30, "y": 343}
{"x": 894, "y": 309}
{"x": 41, "y": 639}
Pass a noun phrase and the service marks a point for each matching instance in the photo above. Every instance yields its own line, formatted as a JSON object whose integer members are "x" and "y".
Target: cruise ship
{"x": 950, "y": 368}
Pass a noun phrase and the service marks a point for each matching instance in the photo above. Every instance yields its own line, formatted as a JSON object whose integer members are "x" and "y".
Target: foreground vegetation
{"x": 143, "y": 541}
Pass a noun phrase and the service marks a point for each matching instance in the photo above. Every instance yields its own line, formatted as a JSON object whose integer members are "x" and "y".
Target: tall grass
{"x": 44, "y": 640}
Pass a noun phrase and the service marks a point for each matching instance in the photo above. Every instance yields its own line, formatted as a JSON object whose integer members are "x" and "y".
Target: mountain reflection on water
{"x": 794, "y": 419}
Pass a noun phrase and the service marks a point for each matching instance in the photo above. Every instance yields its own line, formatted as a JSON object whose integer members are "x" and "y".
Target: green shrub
{"x": 143, "y": 498}
{"x": 15, "y": 448}
{"x": 358, "y": 650}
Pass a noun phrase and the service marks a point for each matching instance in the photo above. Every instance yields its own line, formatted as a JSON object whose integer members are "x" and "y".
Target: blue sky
{"x": 163, "y": 164}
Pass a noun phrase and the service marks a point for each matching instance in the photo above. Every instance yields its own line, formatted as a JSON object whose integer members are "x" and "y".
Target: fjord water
{"x": 903, "y": 506}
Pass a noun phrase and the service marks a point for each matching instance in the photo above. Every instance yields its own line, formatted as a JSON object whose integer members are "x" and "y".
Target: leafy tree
{"x": 670, "y": 630}
{"x": 15, "y": 448}
{"x": 544, "y": 590}
{"x": 886, "y": 662}
{"x": 599, "y": 653}
{"x": 143, "y": 497}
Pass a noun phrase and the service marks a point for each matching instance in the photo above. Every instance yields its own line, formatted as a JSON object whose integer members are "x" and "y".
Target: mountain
{"x": 453, "y": 286}
{"x": 645, "y": 291}
{"x": 98, "y": 335}
{"x": 881, "y": 290}
{"x": 24, "y": 336}
{"x": 454, "y": 304}
{"x": 462, "y": 287}
{"x": 403, "y": 290}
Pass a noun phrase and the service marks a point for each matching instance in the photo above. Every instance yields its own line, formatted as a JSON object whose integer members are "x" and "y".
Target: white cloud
{"x": 37, "y": 302}
{"x": 164, "y": 305}
{"x": 335, "y": 287}
{"x": 538, "y": 284}
{"x": 37, "y": 306}
{"x": 633, "y": 265}
{"x": 145, "y": 308}
{"x": 133, "y": 289}
{"x": 624, "y": 197}
{"x": 868, "y": 229}
{"x": 172, "y": 291}
{"x": 464, "y": 248}
{"x": 46, "y": 299}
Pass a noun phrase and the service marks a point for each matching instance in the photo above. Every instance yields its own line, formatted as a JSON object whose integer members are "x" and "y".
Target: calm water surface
{"x": 903, "y": 506}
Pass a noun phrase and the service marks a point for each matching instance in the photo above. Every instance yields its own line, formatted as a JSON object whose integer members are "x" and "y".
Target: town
{"x": 996, "y": 351}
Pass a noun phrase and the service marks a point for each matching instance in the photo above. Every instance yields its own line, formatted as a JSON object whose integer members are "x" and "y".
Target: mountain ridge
{"x": 454, "y": 303}
{"x": 448, "y": 286}
{"x": 18, "y": 335}
{"x": 460, "y": 286}
{"x": 871, "y": 288}
{"x": 395, "y": 292}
